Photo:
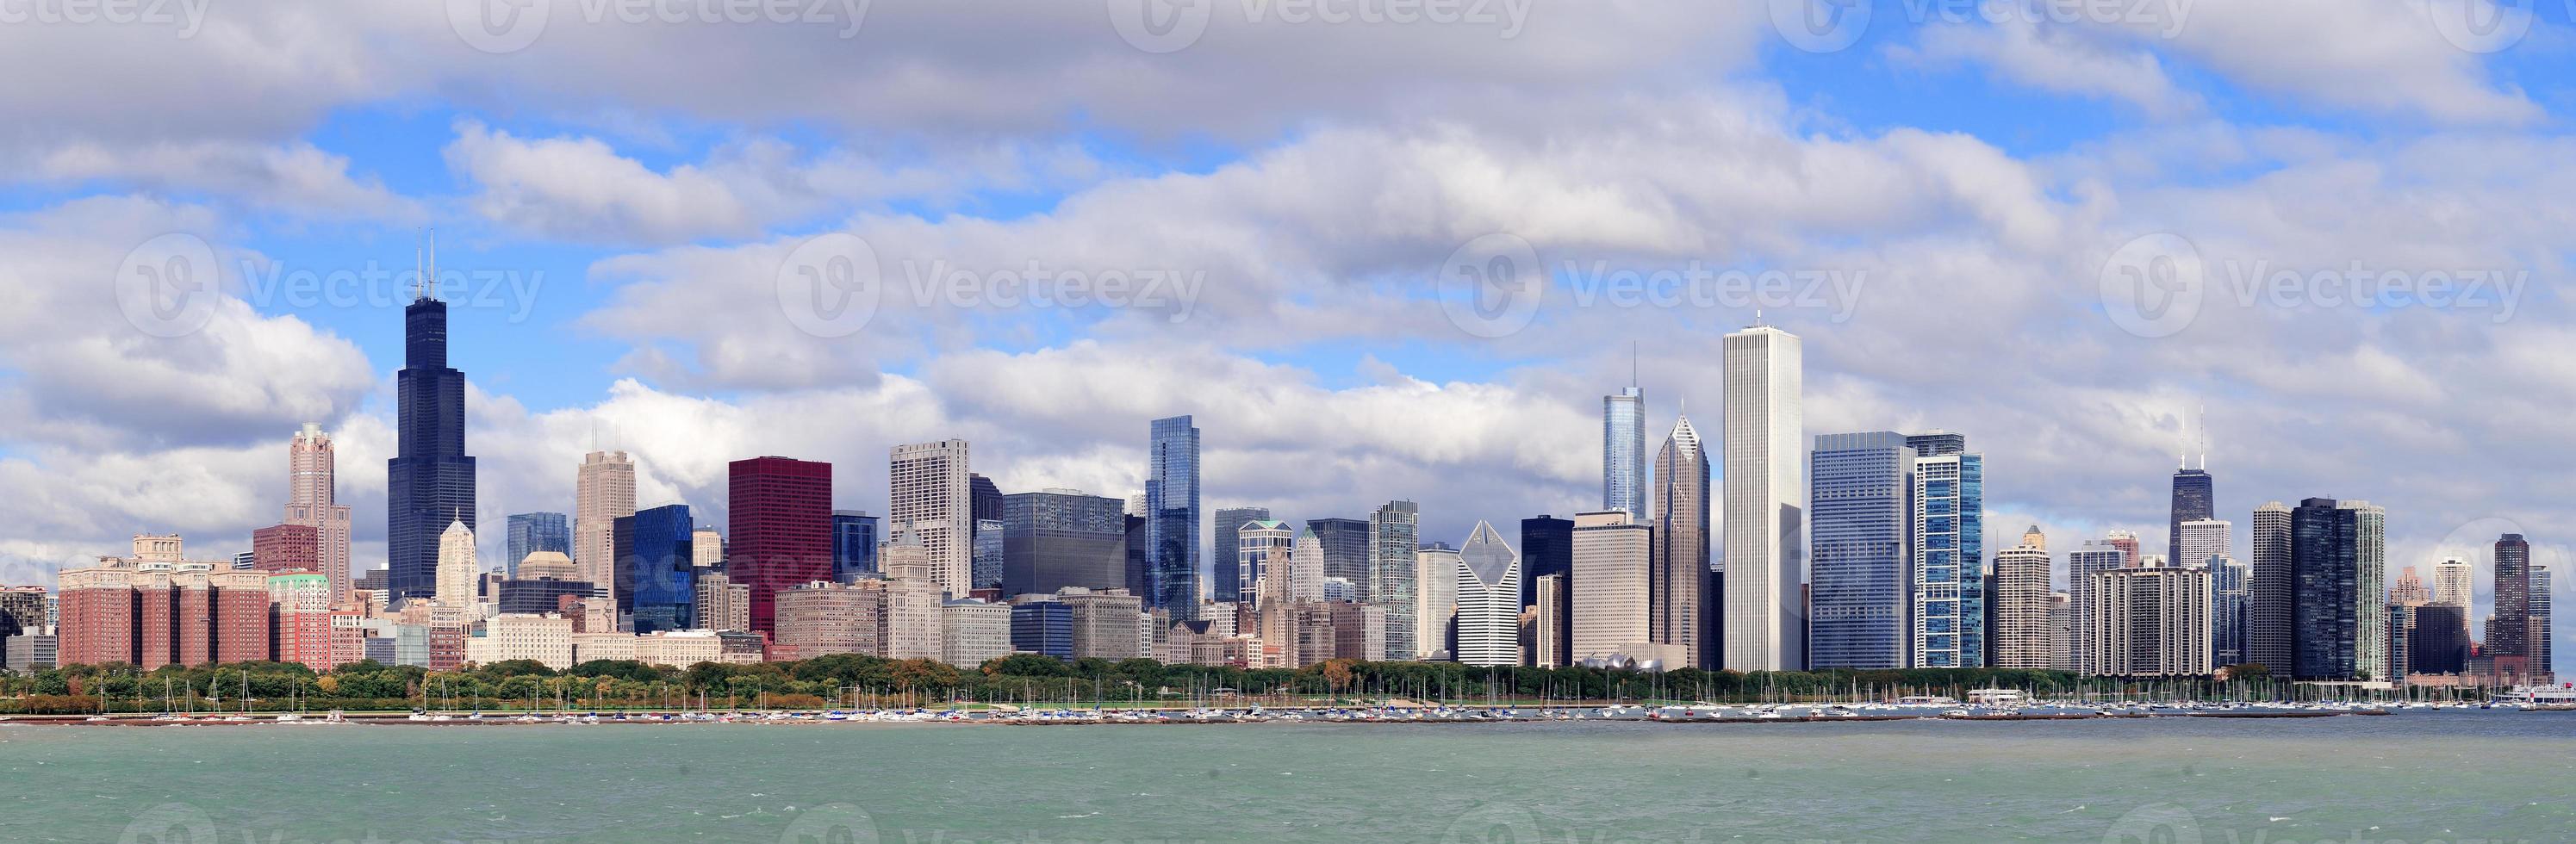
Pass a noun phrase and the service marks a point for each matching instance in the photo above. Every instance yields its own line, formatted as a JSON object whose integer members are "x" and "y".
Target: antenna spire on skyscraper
{"x": 2204, "y": 436}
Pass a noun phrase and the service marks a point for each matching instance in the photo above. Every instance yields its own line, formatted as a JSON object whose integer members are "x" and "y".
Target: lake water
{"x": 2414, "y": 778}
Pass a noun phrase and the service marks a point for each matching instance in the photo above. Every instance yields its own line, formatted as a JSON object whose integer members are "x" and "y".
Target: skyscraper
{"x": 1681, "y": 547}
{"x": 779, "y": 528}
{"x": 603, "y": 492}
{"x": 2093, "y": 558}
{"x": 2201, "y": 539}
{"x": 312, "y": 496}
{"x": 1547, "y": 548}
{"x": 429, "y": 482}
{"x": 854, "y": 545}
{"x": 1262, "y": 545}
{"x": 1861, "y": 519}
{"x": 1172, "y": 511}
{"x": 2543, "y": 669}
{"x": 1948, "y": 602}
{"x": 1055, "y": 538}
{"x": 1612, "y": 601}
{"x": 456, "y": 565}
{"x": 2193, "y": 499}
{"x": 1345, "y": 544}
{"x": 932, "y": 498}
{"x": 2022, "y": 602}
{"x": 2509, "y": 637}
{"x": 2453, "y": 582}
{"x": 1436, "y": 569}
{"x": 1394, "y": 531}
{"x": 1225, "y": 583}
{"x": 2232, "y": 609}
{"x": 706, "y": 548}
{"x": 2338, "y": 554}
{"x": 1489, "y": 597}
{"x": 1766, "y": 493}
{"x": 2268, "y": 635}
{"x": 534, "y": 532}
{"x": 2155, "y": 622}
{"x": 656, "y": 577}
{"x": 1623, "y": 451}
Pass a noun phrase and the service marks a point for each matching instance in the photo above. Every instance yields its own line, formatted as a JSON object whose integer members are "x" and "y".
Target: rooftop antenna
{"x": 431, "y": 281}
{"x": 1632, "y": 363}
{"x": 2182, "y": 446}
{"x": 419, "y": 271}
{"x": 2204, "y": 435}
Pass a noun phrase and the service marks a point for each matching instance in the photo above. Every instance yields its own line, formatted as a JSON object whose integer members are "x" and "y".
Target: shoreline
{"x": 1283, "y": 717}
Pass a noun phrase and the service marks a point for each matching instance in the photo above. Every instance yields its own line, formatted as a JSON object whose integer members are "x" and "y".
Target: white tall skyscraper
{"x": 456, "y": 566}
{"x": 312, "y": 469}
{"x": 2451, "y": 582}
{"x": 1765, "y": 483}
{"x": 1436, "y": 570}
{"x": 2202, "y": 539}
{"x": 603, "y": 492}
{"x": 1613, "y": 580}
{"x": 2023, "y": 603}
{"x": 933, "y": 497}
{"x": 1489, "y": 599}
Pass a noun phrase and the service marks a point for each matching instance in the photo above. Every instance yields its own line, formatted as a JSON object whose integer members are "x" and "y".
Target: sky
{"x": 1377, "y": 248}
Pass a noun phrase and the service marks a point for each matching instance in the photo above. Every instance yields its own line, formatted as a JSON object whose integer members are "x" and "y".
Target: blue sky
{"x": 1317, "y": 182}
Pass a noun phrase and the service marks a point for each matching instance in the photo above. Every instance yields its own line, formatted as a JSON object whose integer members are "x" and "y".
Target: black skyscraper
{"x": 430, "y": 480}
{"x": 1547, "y": 547}
{"x": 2325, "y": 580}
{"x": 2194, "y": 499}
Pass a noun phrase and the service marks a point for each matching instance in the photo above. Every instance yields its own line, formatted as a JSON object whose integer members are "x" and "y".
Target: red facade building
{"x": 779, "y": 529}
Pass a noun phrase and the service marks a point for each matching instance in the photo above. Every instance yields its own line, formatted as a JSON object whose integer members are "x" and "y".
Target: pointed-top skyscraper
{"x": 1678, "y": 602}
{"x": 430, "y": 480}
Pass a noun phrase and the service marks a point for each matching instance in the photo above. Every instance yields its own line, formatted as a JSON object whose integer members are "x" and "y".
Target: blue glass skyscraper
{"x": 854, "y": 546}
{"x": 1949, "y": 589}
{"x": 1172, "y": 517}
{"x": 534, "y": 532}
{"x": 656, "y": 578}
{"x": 429, "y": 482}
{"x": 1860, "y": 547}
{"x": 1623, "y": 451}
